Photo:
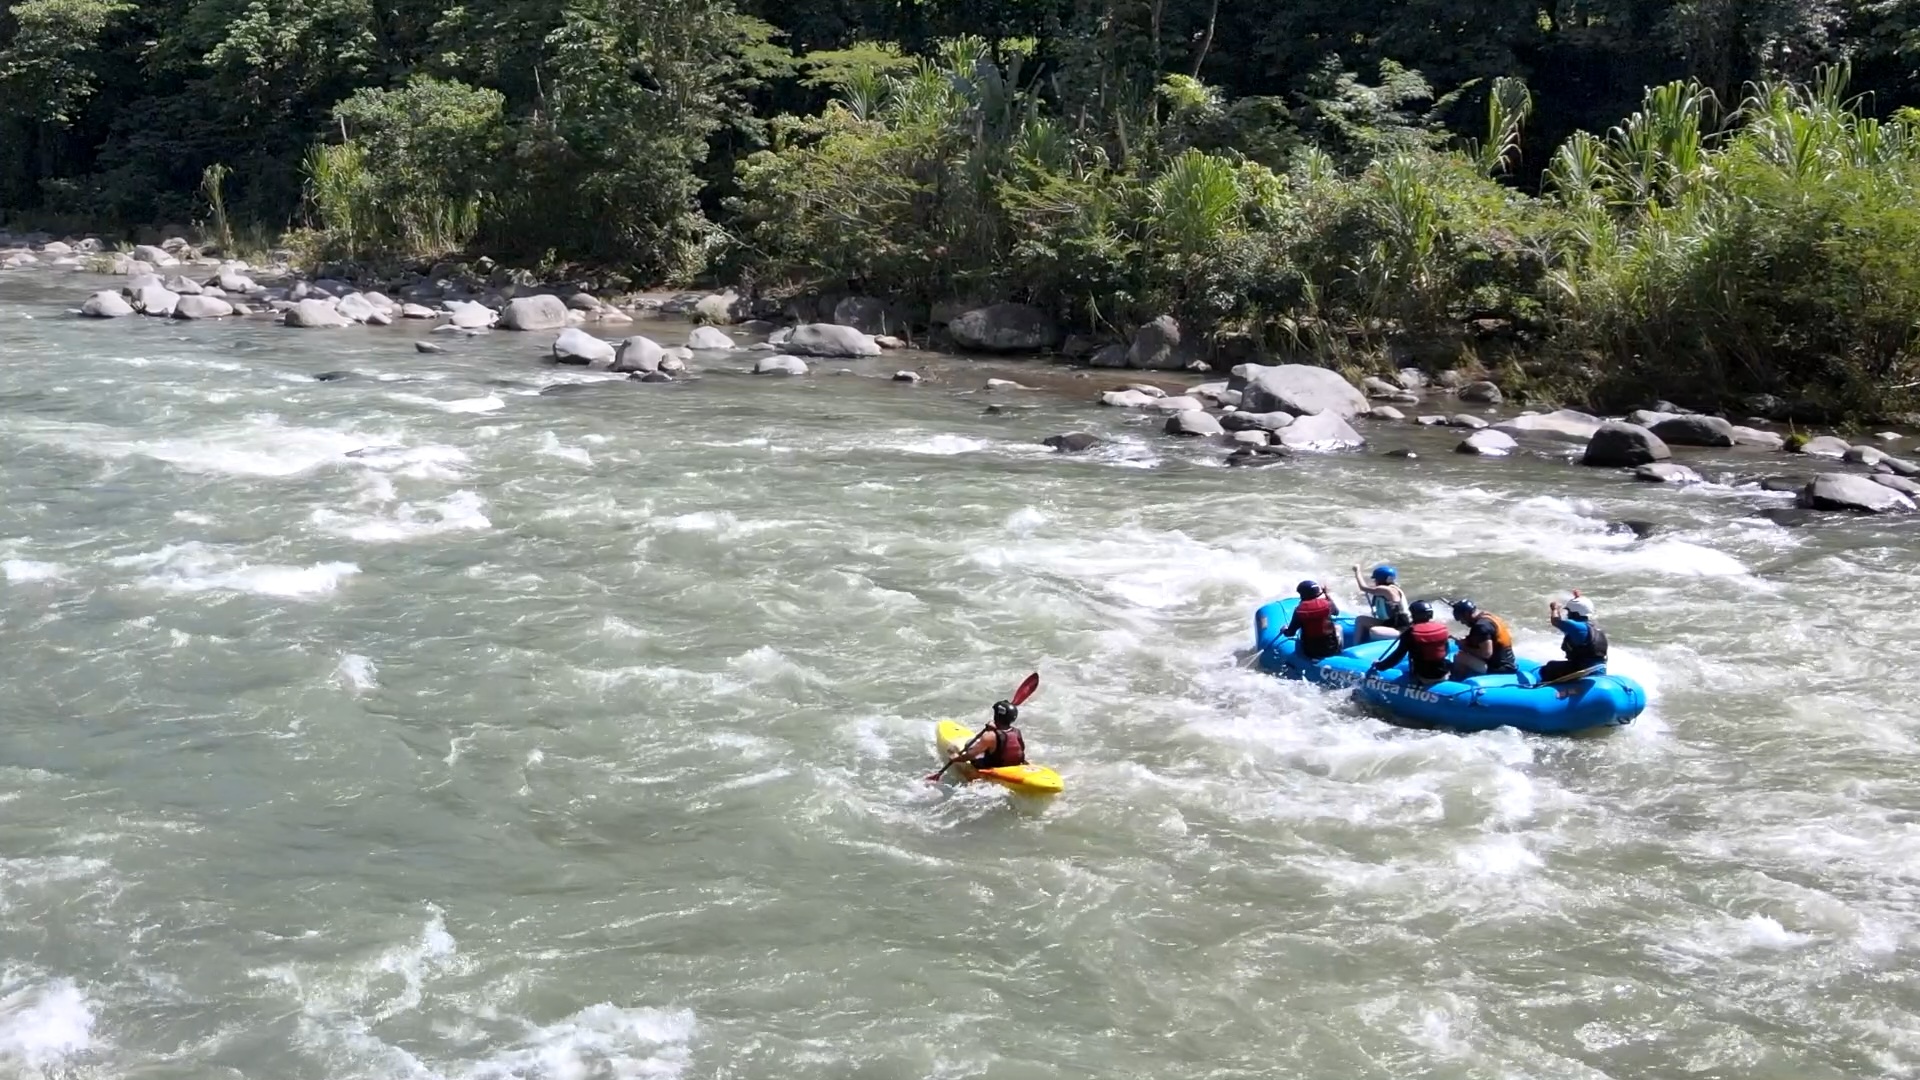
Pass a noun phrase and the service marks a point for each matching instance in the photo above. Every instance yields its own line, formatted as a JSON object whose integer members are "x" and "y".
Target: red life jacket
{"x": 1316, "y": 618}
{"x": 1009, "y": 749}
{"x": 1428, "y": 646}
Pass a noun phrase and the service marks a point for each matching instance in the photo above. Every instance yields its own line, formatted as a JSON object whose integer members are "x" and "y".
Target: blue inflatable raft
{"x": 1595, "y": 700}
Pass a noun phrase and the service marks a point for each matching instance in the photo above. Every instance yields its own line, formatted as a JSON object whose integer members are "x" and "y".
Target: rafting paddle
{"x": 1027, "y": 687}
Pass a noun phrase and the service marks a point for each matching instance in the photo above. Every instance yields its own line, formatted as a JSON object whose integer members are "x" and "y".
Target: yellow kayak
{"x": 1026, "y": 779}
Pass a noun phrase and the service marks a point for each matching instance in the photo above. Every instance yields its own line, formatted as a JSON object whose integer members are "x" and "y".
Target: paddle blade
{"x": 1026, "y": 690}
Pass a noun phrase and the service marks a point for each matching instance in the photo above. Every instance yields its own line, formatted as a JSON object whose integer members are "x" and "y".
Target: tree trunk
{"x": 1206, "y": 39}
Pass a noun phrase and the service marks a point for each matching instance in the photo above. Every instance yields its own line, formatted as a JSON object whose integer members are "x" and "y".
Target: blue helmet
{"x": 1308, "y": 590}
{"x": 1385, "y": 575}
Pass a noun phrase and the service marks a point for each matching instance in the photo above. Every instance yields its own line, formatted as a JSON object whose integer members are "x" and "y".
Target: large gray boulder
{"x": 1256, "y": 421}
{"x": 719, "y": 308}
{"x": 1488, "y": 443}
{"x": 1108, "y": 356}
{"x": 202, "y": 307}
{"x": 356, "y": 307}
{"x": 56, "y": 247}
{"x": 581, "y": 348}
{"x": 1298, "y": 389}
{"x": 1561, "y": 424}
{"x": 1624, "y": 446}
{"x": 868, "y": 315}
{"x": 468, "y": 315}
{"x": 1192, "y": 423}
{"x": 1845, "y": 491}
{"x": 1901, "y": 484}
{"x": 416, "y": 311}
{"x": 1157, "y": 346}
{"x": 1862, "y": 454}
{"x": 182, "y": 284}
{"x": 637, "y": 353}
{"x": 780, "y": 365}
{"x": 828, "y": 340}
{"x": 1322, "y": 431}
{"x": 1827, "y": 446}
{"x": 235, "y": 282}
{"x": 106, "y": 304}
{"x": 154, "y": 256}
{"x": 534, "y": 313}
{"x": 708, "y": 339}
{"x": 311, "y": 314}
{"x": 1695, "y": 430}
{"x": 1765, "y": 440}
{"x": 1005, "y": 328}
{"x": 1128, "y": 399}
{"x": 1483, "y": 392}
{"x": 157, "y": 301}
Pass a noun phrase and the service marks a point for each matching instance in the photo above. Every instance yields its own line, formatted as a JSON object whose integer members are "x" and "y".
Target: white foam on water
{"x": 427, "y": 462}
{"x": 195, "y": 567}
{"x": 550, "y": 446}
{"x": 262, "y": 446}
{"x": 463, "y": 511}
{"x": 944, "y": 446}
{"x": 1025, "y": 521}
{"x": 44, "y": 1022}
{"x": 21, "y": 571}
{"x": 358, "y": 672}
{"x": 487, "y": 404}
{"x": 600, "y": 1041}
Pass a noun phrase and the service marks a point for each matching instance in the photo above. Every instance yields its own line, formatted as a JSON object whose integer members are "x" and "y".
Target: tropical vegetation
{"x": 1605, "y": 198}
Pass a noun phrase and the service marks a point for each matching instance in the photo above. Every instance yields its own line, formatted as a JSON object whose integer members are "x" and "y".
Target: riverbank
{"x": 1260, "y": 415}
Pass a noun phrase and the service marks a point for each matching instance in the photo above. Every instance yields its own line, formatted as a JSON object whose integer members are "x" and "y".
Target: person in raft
{"x": 1313, "y": 622}
{"x": 1424, "y": 645}
{"x": 1390, "y": 616}
{"x": 1001, "y": 746}
{"x": 1488, "y": 647}
{"x": 1582, "y": 640}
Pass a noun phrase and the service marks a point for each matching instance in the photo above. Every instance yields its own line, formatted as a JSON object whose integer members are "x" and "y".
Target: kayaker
{"x": 1390, "y": 615}
{"x": 1488, "y": 647}
{"x": 1001, "y": 746}
{"x": 1582, "y": 639}
{"x": 1313, "y": 622}
{"x": 1424, "y": 645}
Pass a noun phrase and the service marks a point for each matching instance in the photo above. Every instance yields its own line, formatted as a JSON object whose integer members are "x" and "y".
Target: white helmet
{"x": 1580, "y": 606}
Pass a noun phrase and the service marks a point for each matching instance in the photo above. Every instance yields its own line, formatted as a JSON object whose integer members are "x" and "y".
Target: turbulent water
{"x": 418, "y": 725}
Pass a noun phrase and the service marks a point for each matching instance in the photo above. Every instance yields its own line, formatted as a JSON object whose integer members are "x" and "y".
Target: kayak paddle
{"x": 1027, "y": 687}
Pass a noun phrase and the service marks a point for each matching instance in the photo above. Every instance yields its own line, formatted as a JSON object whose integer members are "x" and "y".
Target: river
{"x": 418, "y": 725}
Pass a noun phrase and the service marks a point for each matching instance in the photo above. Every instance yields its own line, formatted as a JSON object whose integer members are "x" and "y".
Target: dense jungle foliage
{"x": 1705, "y": 197}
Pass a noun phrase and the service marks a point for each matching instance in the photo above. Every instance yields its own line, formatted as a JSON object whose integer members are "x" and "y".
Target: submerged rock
{"x": 1073, "y": 442}
{"x": 1666, "y": 472}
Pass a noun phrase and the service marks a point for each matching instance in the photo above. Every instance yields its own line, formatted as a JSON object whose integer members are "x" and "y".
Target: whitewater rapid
{"x": 417, "y": 724}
